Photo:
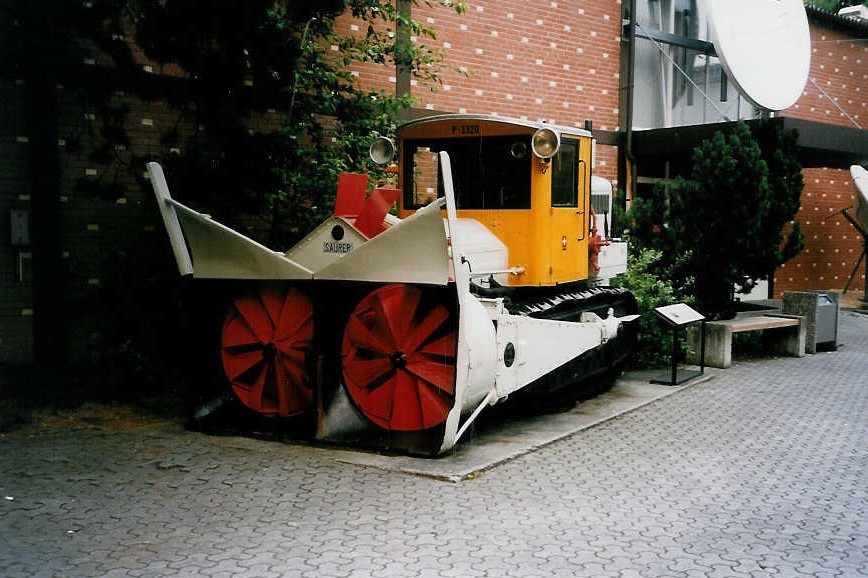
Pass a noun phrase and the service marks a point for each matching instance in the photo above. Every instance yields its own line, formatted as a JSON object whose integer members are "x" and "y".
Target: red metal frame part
{"x": 398, "y": 357}
{"x": 265, "y": 340}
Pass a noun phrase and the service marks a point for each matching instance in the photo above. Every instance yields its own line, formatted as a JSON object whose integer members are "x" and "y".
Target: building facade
{"x": 565, "y": 61}
{"x": 568, "y": 62}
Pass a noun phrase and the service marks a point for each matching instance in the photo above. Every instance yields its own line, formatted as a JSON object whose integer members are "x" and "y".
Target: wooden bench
{"x": 786, "y": 334}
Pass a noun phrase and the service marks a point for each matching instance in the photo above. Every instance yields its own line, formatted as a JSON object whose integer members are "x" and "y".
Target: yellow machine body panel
{"x": 537, "y": 208}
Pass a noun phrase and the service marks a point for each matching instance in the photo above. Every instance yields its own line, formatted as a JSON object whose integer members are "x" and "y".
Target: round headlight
{"x": 545, "y": 143}
{"x": 382, "y": 150}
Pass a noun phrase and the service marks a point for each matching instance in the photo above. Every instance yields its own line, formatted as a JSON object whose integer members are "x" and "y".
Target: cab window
{"x": 565, "y": 175}
{"x": 487, "y": 173}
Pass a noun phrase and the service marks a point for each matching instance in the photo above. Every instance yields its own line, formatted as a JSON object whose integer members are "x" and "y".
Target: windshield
{"x": 487, "y": 173}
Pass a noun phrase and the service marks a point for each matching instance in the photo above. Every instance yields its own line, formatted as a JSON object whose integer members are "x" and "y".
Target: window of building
{"x": 678, "y": 78}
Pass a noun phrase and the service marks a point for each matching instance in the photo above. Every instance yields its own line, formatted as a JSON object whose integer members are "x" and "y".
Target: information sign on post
{"x": 678, "y": 316}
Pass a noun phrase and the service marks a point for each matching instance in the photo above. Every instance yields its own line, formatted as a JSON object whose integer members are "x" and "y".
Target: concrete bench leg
{"x": 718, "y": 345}
{"x": 790, "y": 341}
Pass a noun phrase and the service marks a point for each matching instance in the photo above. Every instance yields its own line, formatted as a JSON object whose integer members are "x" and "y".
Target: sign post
{"x": 677, "y": 316}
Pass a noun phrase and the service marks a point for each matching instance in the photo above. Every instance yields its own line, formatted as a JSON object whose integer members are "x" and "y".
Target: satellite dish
{"x": 860, "y": 179}
{"x": 764, "y": 47}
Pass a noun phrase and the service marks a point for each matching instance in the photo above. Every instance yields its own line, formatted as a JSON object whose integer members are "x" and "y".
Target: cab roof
{"x": 523, "y": 123}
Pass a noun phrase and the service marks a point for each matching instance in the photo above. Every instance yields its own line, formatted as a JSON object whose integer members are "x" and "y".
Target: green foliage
{"x": 728, "y": 199}
{"x": 730, "y": 223}
{"x": 656, "y": 221}
{"x": 247, "y": 57}
{"x": 835, "y": 5}
{"x": 264, "y": 111}
{"x": 786, "y": 182}
{"x": 333, "y": 121}
{"x": 620, "y": 225}
{"x": 651, "y": 290}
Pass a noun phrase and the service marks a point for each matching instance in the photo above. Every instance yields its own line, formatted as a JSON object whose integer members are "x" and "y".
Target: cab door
{"x": 569, "y": 219}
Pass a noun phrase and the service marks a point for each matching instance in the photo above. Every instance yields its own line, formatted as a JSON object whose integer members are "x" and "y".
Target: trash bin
{"x": 827, "y": 320}
{"x": 820, "y": 310}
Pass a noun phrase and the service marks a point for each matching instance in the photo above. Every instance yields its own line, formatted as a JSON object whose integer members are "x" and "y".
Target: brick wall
{"x": 832, "y": 244}
{"x": 557, "y": 61}
{"x": 839, "y": 63}
{"x": 113, "y": 246}
{"x": 16, "y": 333}
{"x": 838, "y": 66}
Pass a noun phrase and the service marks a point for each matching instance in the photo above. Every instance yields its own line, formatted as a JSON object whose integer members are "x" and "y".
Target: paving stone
{"x": 757, "y": 472}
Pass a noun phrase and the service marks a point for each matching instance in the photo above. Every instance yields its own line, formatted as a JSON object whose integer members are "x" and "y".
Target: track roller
{"x": 398, "y": 358}
{"x": 264, "y": 342}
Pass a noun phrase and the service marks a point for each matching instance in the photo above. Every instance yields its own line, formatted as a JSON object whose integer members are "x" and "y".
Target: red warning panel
{"x": 351, "y": 194}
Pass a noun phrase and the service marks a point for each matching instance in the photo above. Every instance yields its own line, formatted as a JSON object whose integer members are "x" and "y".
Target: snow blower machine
{"x": 410, "y": 310}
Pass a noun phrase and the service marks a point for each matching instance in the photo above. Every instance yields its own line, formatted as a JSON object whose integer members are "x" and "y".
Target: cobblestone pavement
{"x": 759, "y": 472}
